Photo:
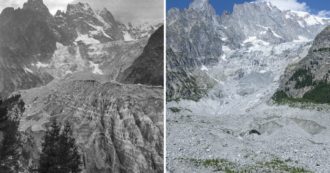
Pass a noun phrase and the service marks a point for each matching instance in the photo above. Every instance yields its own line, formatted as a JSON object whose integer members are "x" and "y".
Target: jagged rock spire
{"x": 36, "y": 5}
{"x": 202, "y": 5}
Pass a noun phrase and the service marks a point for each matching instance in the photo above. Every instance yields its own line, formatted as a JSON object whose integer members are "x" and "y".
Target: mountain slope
{"x": 308, "y": 79}
{"x": 25, "y": 38}
{"x": 147, "y": 68}
{"x": 198, "y": 37}
{"x": 118, "y": 128}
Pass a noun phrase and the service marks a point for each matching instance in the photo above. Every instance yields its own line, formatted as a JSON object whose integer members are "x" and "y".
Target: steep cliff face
{"x": 308, "y": 79}
{"x": 118, "y": 128}
{"x": 148, "y": 67}
{"x": 25, "y": 38}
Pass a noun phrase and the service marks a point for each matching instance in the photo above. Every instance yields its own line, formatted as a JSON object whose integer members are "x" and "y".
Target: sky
{"x": 320, "y": 7}
{"x": 135, "y": 11}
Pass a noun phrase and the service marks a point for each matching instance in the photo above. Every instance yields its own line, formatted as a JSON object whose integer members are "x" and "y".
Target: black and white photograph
{"x": 81, "y": 86}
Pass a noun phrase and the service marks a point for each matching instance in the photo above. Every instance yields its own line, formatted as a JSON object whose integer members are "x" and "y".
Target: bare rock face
{"x": 25, "y": 38}
{"x": 118, "y": 128}
{"x": 148, "y": 67}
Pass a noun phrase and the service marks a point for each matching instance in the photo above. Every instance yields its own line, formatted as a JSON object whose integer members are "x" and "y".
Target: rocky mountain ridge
{"x": 48, "y": 42}
{"x": 195, "y": 35}
{"x": 309, "y": 76}
{"x": 146, "y": 68}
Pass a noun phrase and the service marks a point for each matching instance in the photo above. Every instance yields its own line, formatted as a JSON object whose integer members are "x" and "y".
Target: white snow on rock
{"x": 86, "y": 39}
{"x": 98, "y": 30}
{"x": 127, "y": 36}
{"x": 204, "y": 68}
{"x": 226, "y": 49}
{"x": 40, "y": 65}
{"x": 255, "y": 41}
{"x": 308, "y": 18}
{"x": 27, "y": 70}
{"x": 301, "y": 39}
{"x": 96, "y": 69}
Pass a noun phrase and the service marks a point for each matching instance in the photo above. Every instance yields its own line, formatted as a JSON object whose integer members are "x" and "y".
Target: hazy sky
{"x": 123, "y": 10}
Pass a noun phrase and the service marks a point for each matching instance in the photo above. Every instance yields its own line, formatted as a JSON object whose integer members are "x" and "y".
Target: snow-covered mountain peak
{"x": 199, "y": 4}
{"x": 203, "y": 6}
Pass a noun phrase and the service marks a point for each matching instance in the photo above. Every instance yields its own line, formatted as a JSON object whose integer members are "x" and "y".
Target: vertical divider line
{"x": 164, "y": 85}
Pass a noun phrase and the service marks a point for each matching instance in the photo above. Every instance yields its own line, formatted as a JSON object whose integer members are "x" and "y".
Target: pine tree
{"x": 60, "y": 153}
{"x": 10, "y": 142}
{"x": 49, "y": 156}
{"x": 69, "y": 151}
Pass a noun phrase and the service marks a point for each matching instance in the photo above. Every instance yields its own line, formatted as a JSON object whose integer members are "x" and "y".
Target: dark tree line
{"x": 10, "y": 110}
{"x": 59, "y": 151}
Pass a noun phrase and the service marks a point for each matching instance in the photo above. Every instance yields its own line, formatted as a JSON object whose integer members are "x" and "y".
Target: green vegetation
{"x": 230, "y": 167}
{"x": 175, "y": 109}
{"x": 324, "y": 49}
{"x": 303, "y": 78}
{"x": 280, "y": 97}
{"x": 279, "y": 165}
{"x": 319, "y": 94}
{"x": 217, "y": 164}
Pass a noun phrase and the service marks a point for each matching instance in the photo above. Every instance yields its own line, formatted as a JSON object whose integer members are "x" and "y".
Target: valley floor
{"x": 238, "y": 128}
{"x": 298, "y": 137}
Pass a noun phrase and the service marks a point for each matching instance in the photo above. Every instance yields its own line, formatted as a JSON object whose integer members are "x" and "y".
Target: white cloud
{"x": 135, "y": 11}
{"x": 288, "y": 4}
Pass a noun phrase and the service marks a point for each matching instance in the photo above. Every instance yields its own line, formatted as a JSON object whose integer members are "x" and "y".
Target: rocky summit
{"x": 67, "y": 67}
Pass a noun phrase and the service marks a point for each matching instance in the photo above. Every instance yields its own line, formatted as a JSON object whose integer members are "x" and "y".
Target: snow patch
{"x": 86, "y": 39}
{"x": 98, "y": 29}
{"x": 301, "y": 39}
{"x": 223, "y": 57}
{"x": 96, "y": 69}
{"x": 276, "y": 35}
{"x": 255, "y": 41}
{"x": 226, "y": 49}
{"x": 40, "y": 65}
{"x": 301, "y": 23}
{"x": 308, "y": 18}
{"x": 204, "y": 68}
{"x": 27, "y": 70}
{"x": 127, "y": 36}
{"x": 224, "y": 38}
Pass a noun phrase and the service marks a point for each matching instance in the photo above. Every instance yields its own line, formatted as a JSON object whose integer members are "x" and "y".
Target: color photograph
{"x": 247, "y": 86}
